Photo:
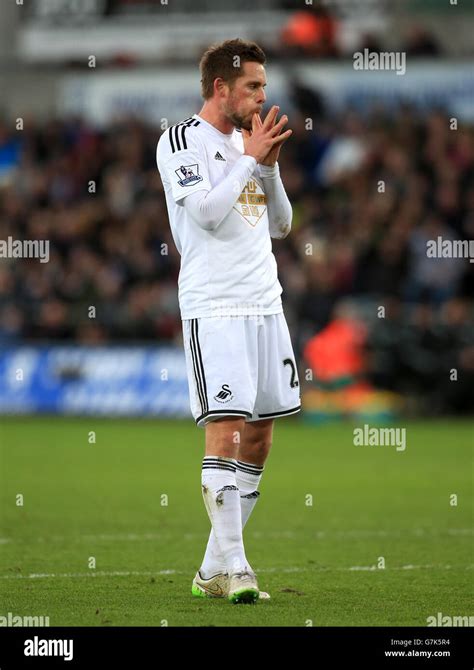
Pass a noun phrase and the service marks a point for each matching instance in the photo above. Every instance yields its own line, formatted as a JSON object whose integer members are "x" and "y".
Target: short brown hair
{"x": 219, "y": 61}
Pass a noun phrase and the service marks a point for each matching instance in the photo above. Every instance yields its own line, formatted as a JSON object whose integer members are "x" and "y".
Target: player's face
{"x": 246, "y": 96}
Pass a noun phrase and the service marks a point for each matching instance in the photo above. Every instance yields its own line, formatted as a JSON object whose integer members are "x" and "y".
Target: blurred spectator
{"x": 434, "y": 279}
{"x": 456, "y": 381}
{"x": 336, "y": 354}
{"x": 310, "y": 33}
{"x": 419, "y": 42}
{"x": 10, "y": 147}
{"x": 371, "y": 42}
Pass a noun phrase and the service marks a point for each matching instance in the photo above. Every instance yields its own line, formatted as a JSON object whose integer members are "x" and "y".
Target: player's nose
{"x": 262, "y": 97}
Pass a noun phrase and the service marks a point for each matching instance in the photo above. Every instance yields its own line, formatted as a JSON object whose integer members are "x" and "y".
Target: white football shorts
{"x": 240, "y": 366}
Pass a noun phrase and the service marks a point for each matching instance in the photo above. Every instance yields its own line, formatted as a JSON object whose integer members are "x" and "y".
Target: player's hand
{"x": 266, "y": 138}
{"x": 270, "y": 119}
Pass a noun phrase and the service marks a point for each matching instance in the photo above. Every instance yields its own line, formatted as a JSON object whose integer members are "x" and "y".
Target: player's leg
{"x": 256, "y": 442}
{"x": 253, "y": 452}
{"x": 218, "y": 446}
{"x": 222, "y": 499}
{"x": 250, "y": 445}
{"x": 221, "y": 363}
{"x": 225, "y": 553}
{"x": 229, "y": 353}
{"x": 222, "y": 436}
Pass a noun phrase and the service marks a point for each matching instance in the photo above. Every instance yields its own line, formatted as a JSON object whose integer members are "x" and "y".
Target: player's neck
{"x": 214, "y": 117}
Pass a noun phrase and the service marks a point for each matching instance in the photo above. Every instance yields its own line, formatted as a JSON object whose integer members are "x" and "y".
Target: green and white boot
{"x": 216, "y": 587}
{"x": 243, "y": 587}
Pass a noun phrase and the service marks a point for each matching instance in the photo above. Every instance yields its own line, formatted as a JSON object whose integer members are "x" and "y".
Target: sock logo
{"x": 254, "y": 494}
{"x": 224, "y": 395}
{"x": 220, "y": 493}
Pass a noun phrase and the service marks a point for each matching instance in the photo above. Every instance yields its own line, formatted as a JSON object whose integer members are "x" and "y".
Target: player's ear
{"x": 220, "y": 86}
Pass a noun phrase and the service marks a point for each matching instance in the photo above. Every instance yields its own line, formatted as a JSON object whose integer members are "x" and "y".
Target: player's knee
{"x": 223, "y": 436}
{"x": 259, "y": 450}
{"x": 255, "y": 448}
{"x": 258, "y": 440}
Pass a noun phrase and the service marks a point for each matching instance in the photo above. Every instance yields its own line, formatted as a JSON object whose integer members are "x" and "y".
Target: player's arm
{"x": 279, "y": 207}
{"x": 210, "y": 208}
{"x": 182, "y": 164}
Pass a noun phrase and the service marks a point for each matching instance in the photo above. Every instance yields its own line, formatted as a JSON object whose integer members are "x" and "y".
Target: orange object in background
{"x": 339, "y": 389}
{"x": 310, "y": 31}
{"x": 337, "y": 351}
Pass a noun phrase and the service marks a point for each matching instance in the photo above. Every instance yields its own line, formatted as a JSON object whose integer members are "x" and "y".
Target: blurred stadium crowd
{"x": 315, "y": 33}
{"x": 367, "y": 194}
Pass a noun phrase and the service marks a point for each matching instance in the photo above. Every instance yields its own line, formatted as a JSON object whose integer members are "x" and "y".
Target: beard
{"x": 240, "y": 121}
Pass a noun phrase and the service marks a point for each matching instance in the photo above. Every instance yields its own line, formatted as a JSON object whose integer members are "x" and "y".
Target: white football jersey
{"x": 230, "y": 271}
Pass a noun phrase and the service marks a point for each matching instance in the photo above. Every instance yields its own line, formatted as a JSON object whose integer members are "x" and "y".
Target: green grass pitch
{"x": 319, "y": 562}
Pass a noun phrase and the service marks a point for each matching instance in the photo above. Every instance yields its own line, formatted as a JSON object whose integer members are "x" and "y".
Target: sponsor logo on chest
{"x": 252, "y": 202}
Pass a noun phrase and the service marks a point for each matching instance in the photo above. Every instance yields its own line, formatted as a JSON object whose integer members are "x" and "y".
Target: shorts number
{"x": 294, "y": 382}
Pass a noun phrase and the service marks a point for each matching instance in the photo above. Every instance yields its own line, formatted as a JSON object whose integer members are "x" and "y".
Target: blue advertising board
{"x": 83, "y": 380}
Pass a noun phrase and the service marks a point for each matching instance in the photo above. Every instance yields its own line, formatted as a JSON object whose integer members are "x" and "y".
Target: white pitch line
{"x": 258, "y": 535}
{"x": 138, "y": 573}
{"x": 92, "y": 573}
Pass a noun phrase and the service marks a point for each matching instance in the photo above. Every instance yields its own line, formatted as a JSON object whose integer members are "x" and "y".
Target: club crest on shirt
{"x": 188, "y": 175}
{"x": 252, "y": 202}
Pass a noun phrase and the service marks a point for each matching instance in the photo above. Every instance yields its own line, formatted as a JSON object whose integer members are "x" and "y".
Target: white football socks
{"x": 248, "y": 478}
{"x": 222, "y": 500}
{"x": 219, "y": 472}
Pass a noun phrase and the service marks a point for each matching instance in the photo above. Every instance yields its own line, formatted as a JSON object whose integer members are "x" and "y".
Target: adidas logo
{"x": 218, "y": 157}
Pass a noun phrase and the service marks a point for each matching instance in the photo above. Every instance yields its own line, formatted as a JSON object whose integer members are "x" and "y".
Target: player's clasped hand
{"x": 266, "y": 139}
